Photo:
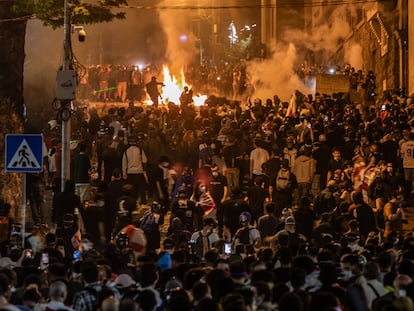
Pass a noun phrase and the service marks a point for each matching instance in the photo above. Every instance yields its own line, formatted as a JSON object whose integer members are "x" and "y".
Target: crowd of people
{"x": 122, "y": 83}
{"x": 271, "y": 206}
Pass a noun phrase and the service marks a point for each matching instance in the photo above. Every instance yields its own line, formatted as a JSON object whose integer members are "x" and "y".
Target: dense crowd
{"x": 122, "y": 83}
{"x": 271, "y": 206}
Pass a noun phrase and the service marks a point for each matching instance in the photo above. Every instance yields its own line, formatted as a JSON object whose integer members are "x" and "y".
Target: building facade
{"x": 378, "y": 35}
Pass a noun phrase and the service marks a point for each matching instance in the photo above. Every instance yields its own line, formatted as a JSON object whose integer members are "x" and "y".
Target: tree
{"x": 13, "y": 20}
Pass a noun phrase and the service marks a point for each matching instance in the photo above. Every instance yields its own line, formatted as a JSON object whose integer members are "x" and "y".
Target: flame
{"x": 199, "y": 100}
{"x": 173, "y": 87}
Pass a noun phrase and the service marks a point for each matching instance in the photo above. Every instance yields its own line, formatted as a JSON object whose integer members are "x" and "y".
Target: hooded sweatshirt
{"x": 304, "y": 169}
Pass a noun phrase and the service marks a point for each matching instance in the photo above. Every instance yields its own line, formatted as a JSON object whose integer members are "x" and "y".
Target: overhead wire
{"x": 291, "y": 4}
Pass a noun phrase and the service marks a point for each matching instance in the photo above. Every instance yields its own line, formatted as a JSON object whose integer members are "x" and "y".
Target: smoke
{"x": 44, "y": 55}
{"x": 353, "y": 56}
{"x": 181, "y": 41}
{"x": 276, "y": 76}
{"x": 325, "y": 36}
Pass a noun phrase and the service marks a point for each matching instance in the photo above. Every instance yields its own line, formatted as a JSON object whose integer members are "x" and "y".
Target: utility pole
{"x": 65, "y": 93}
{"x": 66, "y": 125}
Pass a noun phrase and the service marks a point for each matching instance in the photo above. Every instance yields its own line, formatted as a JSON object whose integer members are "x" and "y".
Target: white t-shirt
{"x": 258, "y": 156}
{"x": 407, "y": 154}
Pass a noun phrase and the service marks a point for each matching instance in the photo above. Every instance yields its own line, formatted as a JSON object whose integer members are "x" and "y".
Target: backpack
{"x": 283, "y": 180}
{"x": 149, "y": 223}
{"x": 244, "y": 235}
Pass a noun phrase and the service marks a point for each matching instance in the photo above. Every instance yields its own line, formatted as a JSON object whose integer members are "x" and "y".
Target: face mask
{"x": 100, "y": 203}
{"x": 165, "y": 164}
{"x": 215, "y": 174}
{"x": 347, "y": 274}
{"x": 243, "y": 223}
{"x": 202, "y": 189}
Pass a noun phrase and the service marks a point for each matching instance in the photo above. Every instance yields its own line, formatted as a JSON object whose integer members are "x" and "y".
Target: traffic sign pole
{"x": 23, "y": 211}
{"x": 24, "y": 154}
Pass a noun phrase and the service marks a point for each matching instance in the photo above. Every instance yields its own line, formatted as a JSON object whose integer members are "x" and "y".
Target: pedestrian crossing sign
{"x": 24, "y": 153}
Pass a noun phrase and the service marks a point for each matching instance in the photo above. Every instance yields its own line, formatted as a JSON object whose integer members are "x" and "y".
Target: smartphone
{"x": 309, "y": 125}
{"x": 45, "y": 259}
{"x": 29, "y": 253}
{"x": 76, "y": 255}
{"x": 326, "y": 118}
{"x": 227, "y": 249}
{"x": 383, "y": 107}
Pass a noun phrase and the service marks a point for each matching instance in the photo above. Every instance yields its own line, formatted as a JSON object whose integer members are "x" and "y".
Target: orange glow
{"x": 173, "y": 88}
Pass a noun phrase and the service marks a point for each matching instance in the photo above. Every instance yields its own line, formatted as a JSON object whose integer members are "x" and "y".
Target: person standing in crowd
{"x": 290, "y": 152}
{"x": 304, "y": 168}
{"x": 202, "y": 241}
{"x": 57, "y": 293}
{"x": 135, "y": 92}
{"x": 203, "y": 199}
{"x": 154, "y": 150}
{"x": 109, "y": 155}
{"x": 273, "y": 164}
{"x": 86, "y": 299}
{"x": 231, "y": 155}
{"x": 161, "y": 178}
{"x": 321, "y": 153}
{"x": 70, "y": 233}
{"x": 281, "y": 188}
{"x": 218, "y": 186}
{"x": 327, "y": 200}
{"x": 364, "y": 214}
{"x": 153, "y": 91}
{"x": 122, "y": 79}
{"x": 115, "y": 124}
{"x": 186, "y": 98}
{"x": 407, "y": 154}
{"x": 150, "y": 224}
{"x": 335, "y": 163}
{"x": 104, "y": 72}
{"x": 81, "y": 165}
{"x": 67, "y": 202}
{"x": 391, "y": 180}
{"x": 126, "y": 204}
{"x": 34, "y": 189}
{"x": 247, "y": 234}
{"x": 268, "y": 223}
{"x": 116, "y": 184}
{"x": 394, "y": 216}
{"x": 133, "y": 162}
{"x": 258, "y": 156}
{"x": 229, "y": 212}
{"x": 257, "y": 194}
{"x": 305, "y": 218}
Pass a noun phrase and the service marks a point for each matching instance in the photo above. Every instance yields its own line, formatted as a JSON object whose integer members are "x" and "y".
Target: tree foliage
{"x": 51, "y": 12}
